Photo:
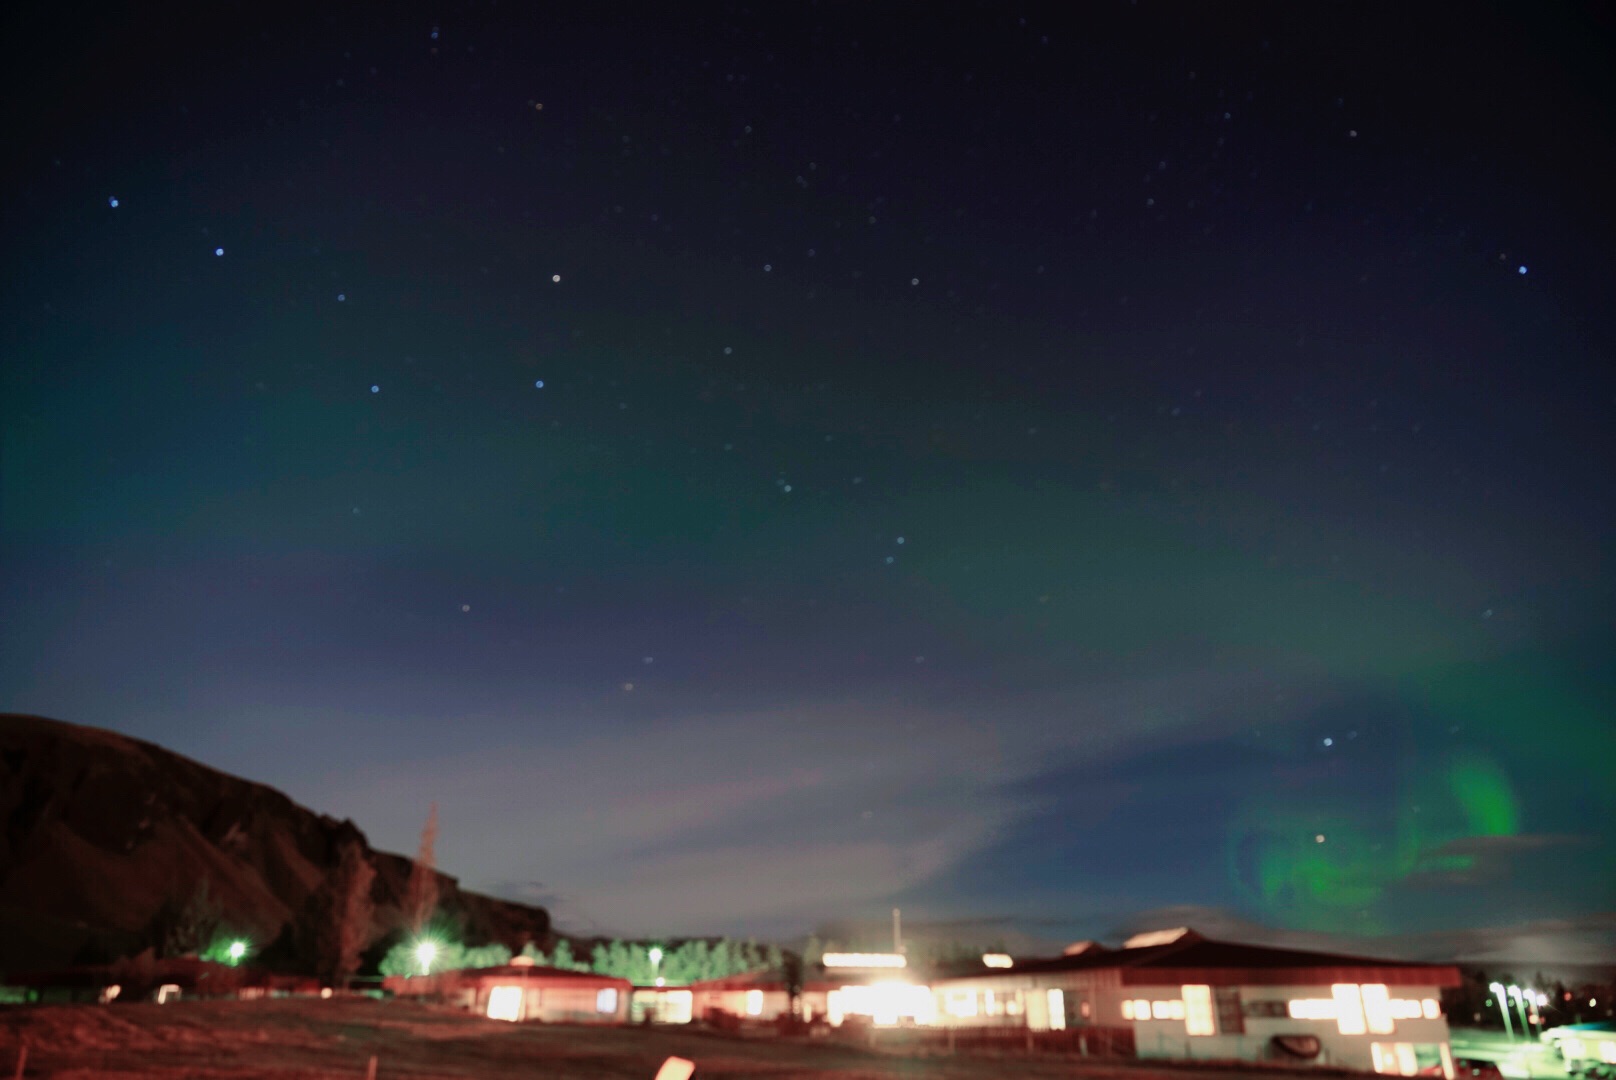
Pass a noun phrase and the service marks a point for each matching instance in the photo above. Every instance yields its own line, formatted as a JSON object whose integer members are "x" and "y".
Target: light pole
{"x": 1520, "y": 1006}
{"x": 656, "y": 963}
{"x": 1503, "y": 1007}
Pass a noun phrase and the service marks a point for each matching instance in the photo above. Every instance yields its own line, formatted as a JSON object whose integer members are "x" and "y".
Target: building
{"x": 1175, "y": 994}
{"x": 519, "y": 992}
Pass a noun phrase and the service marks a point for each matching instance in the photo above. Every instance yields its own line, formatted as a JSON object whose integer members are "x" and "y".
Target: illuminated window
{"x": 1167, "y": 1010}
{"x": 1349, "y": 1008}
{"x": 992, "y": 1003}
{"x": 1312, "y": 1009}
{"x": 505, "y": 1003}
{"x": 1127, "y": 1010}
{"x": 1401, "y": 1008}
{"x": 1057, "y": 1009}
{"x": 1197, "y": 1007}
{"x": 754, "y": 1003}
{"x": 1431, "y": 1008}
{"x": 1377, "y": 1009}
{"x": 960, "y": 1003}
{"x": 606, "y": 1000}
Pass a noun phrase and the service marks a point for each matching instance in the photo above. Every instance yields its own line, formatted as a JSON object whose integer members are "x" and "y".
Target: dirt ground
{"x": 303, "y": 1039}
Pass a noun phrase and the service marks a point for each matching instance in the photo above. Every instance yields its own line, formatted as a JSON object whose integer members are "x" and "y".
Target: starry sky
{"x": 1048, "y": 469}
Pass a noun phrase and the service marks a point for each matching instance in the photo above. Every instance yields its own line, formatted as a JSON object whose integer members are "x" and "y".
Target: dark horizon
{"x": 753, "y": 469}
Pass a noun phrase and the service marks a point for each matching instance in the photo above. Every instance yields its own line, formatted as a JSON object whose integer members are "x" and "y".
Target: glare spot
{"x": 1520, "y": 270}
{"x": 556, "y": 278}
{"x": 341, "y": 296}
{"x": 538, "y": 384}
{"x": 220, "y": 251}
{"x": 728, "y": 350}
{"x": 465, "y": 607}
{"x": 434, "y": 33}
{"x": 1318, "y": 838}
{"x": 627, "y": 687}
{"x": 890, "y": 560}
{"x": 767, "y": 267}
{"x": 374, "y": 389}
{"x": 786, "y": 488}
{"x": 914, "y": 281}
{"x": 1329, "y": 742}
{"x": 900, "y": 539}
{"x": 647, "y": 659}
{"x": 113, "y": 202}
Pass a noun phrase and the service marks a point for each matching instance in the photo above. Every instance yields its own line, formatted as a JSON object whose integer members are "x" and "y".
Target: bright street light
{"x": 426, "y": 952}
{"x": 1503, "y": 1007}
{"x": 1520, "y": 1005}
{"x": 237, "y": 950}
{"x": 655, "y": 955}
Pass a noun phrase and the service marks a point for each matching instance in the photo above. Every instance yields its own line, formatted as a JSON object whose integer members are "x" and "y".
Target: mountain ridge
{"x": 102, "y": 835}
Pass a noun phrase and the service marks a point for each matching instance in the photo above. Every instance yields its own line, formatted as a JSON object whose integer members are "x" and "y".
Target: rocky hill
{"x": 103, "y": 837}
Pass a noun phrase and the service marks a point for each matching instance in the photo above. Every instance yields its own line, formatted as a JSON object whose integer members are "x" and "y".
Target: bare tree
{"x": 354, "y": 908}
{"x": 421, "y": 893}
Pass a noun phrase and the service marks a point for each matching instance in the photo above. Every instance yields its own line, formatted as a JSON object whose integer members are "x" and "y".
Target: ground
{"x": 1517, "y": 1058}
{"x": 304, "y": 1039}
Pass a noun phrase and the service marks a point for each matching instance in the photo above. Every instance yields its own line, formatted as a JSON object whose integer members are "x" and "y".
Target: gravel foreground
{"x": 303, "y": 1039}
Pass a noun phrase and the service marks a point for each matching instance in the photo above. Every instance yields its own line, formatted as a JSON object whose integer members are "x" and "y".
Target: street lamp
{"x": 237, "y": 950}
{"x": 655, "y": 955}
{"x": 1503, "y": 1007}
{"x": 426, "y": 952}
{"x": 1520, "y": 1005}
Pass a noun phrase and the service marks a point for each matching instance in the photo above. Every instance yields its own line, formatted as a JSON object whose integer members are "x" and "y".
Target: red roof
{"x": 1193, "y": 959}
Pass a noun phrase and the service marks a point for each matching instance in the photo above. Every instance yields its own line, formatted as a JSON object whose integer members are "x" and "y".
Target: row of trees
{"x": 688, "y": 962}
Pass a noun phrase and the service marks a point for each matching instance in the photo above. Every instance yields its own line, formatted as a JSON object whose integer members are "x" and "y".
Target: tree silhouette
{"x": 421, "y": 892}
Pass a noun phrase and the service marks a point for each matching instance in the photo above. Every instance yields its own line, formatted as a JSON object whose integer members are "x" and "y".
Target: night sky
{"x": 1057, "y": 470}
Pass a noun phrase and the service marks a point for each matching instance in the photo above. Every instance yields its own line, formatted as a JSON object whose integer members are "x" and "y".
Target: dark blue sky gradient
{"x": 1023, "y": 465}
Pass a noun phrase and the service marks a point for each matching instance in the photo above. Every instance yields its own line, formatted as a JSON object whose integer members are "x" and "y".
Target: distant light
{"x": 864, "y": 960}
{"x": 554, "y": 277}
{"x": 997, "y": 960}
{"x": 220, "y": 251}
{"x": 375, "y": 389}
{"x": 914, "y": 281}
{"x": 237, "y": 950}
{"x": 1318, "y": 838}
{"x": 425, "y": 953}
{"x": 538, "y": 384}
{"x": 655, "y": 954}
{"x": 728, "y": 350}
{"x": 1329, "y": 742}
{"x": 767, "y": 267}
{"x": 113, "y": 202}
{"x": 341, "y": 296}
{"x": 465, "y": 607}
{"x": 1520, "y": 270}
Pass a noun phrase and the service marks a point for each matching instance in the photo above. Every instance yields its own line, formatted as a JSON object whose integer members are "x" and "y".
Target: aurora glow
{"x": 1061, "y": 472}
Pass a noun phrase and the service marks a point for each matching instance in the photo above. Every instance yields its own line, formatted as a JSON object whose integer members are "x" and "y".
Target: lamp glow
{"x": 237, "y": 950}
{"x": 425, "y": 953}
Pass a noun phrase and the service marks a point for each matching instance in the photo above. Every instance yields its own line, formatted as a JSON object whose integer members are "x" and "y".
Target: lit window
{"x": 1167, "y": 1010}
{"x": 1431, "y": 1008}
{"x": 1377, "y": 1009}
{"x": 1197, "y": 1006}
{"x": 505, "y": 1003}
{"x": 1312, "y": 1009}
{"x": 1406, "y": 1060}
{"x": 754, "y": 1003}
{"x": 1402, "y": 1008}
{"x": 1141, "y": 1009}
{"x": 1349, "y": 1008}
{"x": 606, "y": 1000}
{"x": 1057, "y": 1010}
{"x": 1127, "y": 1010}
{"x": 960, "y": 1003}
